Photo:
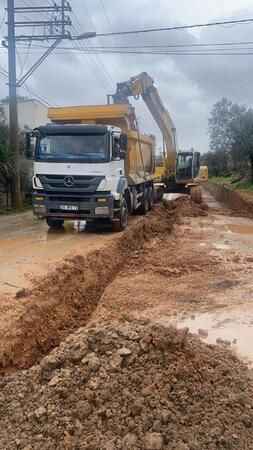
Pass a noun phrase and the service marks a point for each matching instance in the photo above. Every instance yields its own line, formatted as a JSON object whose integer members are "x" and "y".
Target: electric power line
{"x": 175, "y": 28}
{"x": 132, "y": 52}
{"x": 82, "y": 46}
{"x": 154, "y": 46}
{"x": 97, "y": 51}
{"x": 36, "y": 96}
{"x": 105, "y": 13}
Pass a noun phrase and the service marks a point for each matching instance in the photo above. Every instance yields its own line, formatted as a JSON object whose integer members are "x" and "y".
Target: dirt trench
{"x": 64, "y": 300}
{"x": 238, "y": 202}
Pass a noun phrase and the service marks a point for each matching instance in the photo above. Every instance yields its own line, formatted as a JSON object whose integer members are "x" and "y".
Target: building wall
{"x": 31, "y": 114}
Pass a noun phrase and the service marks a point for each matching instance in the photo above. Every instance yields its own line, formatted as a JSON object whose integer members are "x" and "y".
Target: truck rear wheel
{"x": 144, "y": 203}
{"x": 121, "y": 223}
{"x": 55, "y": 224}
{"x": 150, "y": 198}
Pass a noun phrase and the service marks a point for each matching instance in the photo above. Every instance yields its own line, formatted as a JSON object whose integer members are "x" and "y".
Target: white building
{"x": 31, "y": 113}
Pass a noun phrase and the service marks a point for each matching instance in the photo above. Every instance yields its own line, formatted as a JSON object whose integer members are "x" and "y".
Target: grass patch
{"x": 244, "y": 185}
{"x": 222, "y": 180}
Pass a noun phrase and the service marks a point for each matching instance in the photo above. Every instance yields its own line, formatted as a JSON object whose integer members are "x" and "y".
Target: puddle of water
{"x": 235, "y": 326}
{"x": 241, "y": 229}
{"x": 221, "y": 246}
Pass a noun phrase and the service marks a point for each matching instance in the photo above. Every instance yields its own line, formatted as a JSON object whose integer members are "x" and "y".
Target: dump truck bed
{"x": 140, "y": 162}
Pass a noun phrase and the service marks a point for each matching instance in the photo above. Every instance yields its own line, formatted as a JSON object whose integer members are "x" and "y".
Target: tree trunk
{"x": 251, "y": 167}
{"x": 16, "y": 196}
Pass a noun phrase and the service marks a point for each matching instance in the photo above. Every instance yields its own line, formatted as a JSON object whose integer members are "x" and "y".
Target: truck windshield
{"x": 85, "y": 148}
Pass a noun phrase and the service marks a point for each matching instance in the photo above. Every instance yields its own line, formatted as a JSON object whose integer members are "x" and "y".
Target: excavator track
{"x": 196, "y": 194}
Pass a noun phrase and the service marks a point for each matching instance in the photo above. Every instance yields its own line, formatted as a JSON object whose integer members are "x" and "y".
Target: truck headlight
{"x": 103, "y": 186}
{"x": 37, "y": 183}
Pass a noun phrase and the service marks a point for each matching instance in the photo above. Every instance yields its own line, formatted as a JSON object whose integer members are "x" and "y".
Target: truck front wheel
{"x": 55, "y": 224}
{"x": 121, "y": 223}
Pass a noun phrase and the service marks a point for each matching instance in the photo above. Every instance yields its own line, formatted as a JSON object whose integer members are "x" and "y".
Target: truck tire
{"x": 144, "y": 203}
{"x": 196, "y": 194}
{"x": 55, "y": 224}
{"x": 150, "y": 198}
{"x": 121, "y": 223}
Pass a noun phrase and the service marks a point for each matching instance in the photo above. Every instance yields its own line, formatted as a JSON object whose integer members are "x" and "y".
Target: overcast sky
{"x": 189, "y": 85}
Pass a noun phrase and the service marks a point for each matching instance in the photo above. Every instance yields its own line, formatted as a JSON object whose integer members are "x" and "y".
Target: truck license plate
{"x": 69, "y": 207}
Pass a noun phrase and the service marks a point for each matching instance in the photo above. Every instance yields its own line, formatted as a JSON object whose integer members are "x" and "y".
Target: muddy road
{"x": 180, "y": 265}
{"x": 104, "y": 366}
{"x": 29, "y": 249}
{"x": 199, "y": 277}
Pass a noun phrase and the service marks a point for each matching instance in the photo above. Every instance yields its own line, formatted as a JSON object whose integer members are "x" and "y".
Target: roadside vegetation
{"x": 7, "y": 172}
{"x": 230, "y": 159}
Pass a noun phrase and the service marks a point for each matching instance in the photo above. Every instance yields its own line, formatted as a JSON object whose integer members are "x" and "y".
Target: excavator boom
{"x": 143, "y": 85}
{"x": 179, "y": 169}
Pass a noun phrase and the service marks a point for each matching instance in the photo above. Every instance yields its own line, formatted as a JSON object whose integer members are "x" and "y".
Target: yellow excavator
{"x": 178, "y": 170}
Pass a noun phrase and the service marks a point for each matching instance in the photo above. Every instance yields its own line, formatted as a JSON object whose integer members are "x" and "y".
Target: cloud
{"x": 189, "y": 85}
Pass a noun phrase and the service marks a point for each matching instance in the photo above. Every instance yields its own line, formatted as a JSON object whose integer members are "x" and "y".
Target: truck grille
{"x": 70, "y": 183}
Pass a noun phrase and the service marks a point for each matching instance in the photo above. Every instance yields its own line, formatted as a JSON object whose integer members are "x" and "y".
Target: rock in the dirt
{"x": 116, "y": 361}
{"x": 153, "y": 441}
{"x": 203, "y": 333}
{"x": 92, "y": 361}
{"x": 124, "y": 351}
{"x": 129, "y": 441}
{"x": 40, "y": 412}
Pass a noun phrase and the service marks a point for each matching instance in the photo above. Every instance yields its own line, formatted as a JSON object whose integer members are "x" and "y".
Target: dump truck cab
{"x": 91, "y": 164}
{"x": 79, "y": 172}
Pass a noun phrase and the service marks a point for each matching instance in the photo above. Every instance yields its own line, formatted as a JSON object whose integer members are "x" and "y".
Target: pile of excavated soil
{"x": 185, "y": 207}
{"x": 65, "y": 299}
{"x": 129, "y": 386}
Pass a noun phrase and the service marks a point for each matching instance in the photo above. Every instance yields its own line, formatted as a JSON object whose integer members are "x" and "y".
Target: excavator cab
{"x": 187, "y": 167}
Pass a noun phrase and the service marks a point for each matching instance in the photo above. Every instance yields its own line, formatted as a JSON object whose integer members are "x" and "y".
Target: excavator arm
{"x": 143, "y": 85}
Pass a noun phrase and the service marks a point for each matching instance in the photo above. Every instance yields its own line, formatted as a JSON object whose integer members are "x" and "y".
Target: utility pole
{"x": 54, "y": 29}
{"x": 49, "y": 32}
{"x": 13, "y": 108}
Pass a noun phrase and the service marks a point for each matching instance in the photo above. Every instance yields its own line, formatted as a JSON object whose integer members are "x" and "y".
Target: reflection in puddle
{"x": 234, "y": 327}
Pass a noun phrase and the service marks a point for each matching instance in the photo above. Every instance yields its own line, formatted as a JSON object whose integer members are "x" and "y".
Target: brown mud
{"x": 129, "y": 386}
{"x": 65, "y": 299}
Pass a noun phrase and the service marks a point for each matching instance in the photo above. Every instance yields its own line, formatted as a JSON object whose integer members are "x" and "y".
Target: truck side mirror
{"x": 123, "y": 142}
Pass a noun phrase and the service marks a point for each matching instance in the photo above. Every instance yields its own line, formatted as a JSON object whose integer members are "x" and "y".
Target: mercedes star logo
{"x": 69, "y": 181}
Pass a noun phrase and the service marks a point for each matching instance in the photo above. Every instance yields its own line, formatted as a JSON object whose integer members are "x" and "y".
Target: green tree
{"x": 223, "y": 114}
{"x": 6, "y": 167}
{"x": 242, "y": 138}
